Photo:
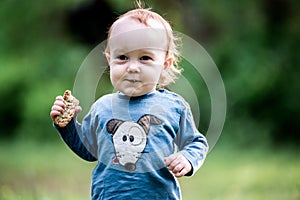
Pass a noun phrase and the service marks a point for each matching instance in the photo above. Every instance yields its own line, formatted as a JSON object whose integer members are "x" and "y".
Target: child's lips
{"x": 132, "y": 80}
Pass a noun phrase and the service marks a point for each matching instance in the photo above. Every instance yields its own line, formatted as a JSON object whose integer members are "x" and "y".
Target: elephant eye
{"x": 124, "y": 138}
{"x": 131, "y": 138}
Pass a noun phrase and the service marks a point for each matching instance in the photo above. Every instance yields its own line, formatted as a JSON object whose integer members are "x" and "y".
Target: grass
{"x": 30, "y": 171}
{"x": 42, "y": 171}
{"x": 240, "y": 174}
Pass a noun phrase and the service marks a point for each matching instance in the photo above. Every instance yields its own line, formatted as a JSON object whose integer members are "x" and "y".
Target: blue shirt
{"x": 130, "y": 137}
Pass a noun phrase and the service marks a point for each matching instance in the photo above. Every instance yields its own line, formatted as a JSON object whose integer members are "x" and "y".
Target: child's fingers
{"x": 174, "y": 166}
{"x": 58, "y": 107}
{"x": 169, "y": 160}
{"x": 54, "y": 113}
{"x": 59, "y": 98}
{"x": 178, "y": 168}
{"x": 178, "y": 164}
{"x": 78, "y": 109}
{"x": 172, "y": 161}
{"x": 59, "y": 101}
{"x": 181, "y": 173}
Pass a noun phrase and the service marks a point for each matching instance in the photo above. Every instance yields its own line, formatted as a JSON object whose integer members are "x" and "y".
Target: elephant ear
{"x": 113, "y": 125}
{"x": 146, "y": 120}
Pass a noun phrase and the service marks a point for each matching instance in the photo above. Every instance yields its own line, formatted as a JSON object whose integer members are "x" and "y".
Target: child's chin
{"x": 134, "y": 92}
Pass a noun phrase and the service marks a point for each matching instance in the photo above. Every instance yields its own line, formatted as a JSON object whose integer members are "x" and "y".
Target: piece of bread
{"x": 64, "y": 118}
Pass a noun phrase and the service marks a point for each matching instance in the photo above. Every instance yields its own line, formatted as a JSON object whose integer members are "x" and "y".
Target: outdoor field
{"x": 31, "y": 171}
{"x": 249, "y": 92}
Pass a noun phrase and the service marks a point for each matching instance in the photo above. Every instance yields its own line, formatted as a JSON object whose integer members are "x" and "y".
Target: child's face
{"x": 137, "y": 56}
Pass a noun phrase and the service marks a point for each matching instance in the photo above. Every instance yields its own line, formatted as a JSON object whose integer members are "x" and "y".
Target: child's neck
{"x": 152, "y": 91}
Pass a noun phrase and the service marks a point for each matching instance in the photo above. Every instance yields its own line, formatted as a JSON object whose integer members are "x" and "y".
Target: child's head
{"x": 142, "y": 52}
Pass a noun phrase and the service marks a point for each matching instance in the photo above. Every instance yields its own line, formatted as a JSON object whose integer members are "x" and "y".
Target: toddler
{"x": 143, "y": 136}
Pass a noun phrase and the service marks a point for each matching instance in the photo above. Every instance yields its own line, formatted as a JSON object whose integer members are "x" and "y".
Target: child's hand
{"x": 59, "y": 106}
{"x": 178, "y": 164}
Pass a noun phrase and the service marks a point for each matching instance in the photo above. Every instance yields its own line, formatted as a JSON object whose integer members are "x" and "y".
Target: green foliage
{"x": 255, "y": 44}
{"x": 38, "y": 62}
{"x": 255, "y": 48}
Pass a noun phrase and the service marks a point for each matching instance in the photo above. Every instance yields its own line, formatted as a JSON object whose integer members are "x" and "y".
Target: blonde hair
{"x": 142, "y": 15}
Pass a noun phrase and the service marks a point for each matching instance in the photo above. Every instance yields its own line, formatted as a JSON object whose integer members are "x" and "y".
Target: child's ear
{"x": 168, "y": 62}
{"x": 107, "y": 57}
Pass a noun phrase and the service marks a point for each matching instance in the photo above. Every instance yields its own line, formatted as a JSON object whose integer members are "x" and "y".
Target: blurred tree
{"x": 255, "y": 45}
{"x": 89, "y": 21}
{"x": 279, "y": 105}
{"x": 11, "y": 109}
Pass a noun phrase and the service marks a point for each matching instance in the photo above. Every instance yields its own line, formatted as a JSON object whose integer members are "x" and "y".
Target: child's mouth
{"x": 132, "y": 80}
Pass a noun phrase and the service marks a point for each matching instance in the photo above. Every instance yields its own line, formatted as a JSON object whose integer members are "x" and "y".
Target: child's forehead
{"x": 131, "y": 35}
{"x": 129, "y": 23}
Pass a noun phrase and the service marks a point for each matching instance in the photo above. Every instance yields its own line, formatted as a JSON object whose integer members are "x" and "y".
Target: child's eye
{"x": 122, "y": 57}
{"x": 145, "y": 58}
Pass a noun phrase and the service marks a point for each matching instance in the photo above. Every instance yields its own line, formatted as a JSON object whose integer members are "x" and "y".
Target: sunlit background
{"x": 255, "y": 45}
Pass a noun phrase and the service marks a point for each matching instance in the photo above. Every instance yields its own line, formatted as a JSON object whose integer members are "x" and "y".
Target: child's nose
{"x": 133, "y": 67}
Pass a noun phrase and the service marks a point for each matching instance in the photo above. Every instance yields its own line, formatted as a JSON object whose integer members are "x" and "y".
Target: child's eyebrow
{"x": 120, "y": 51}
{"x": 148, "y": 51}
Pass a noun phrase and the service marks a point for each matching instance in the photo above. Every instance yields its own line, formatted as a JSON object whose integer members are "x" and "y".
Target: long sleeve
{"x": 71, "y": 137}
{"x": 191, "y": 144}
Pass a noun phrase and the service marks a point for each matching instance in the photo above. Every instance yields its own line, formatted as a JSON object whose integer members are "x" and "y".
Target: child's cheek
{"x": 116, "y": 75}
